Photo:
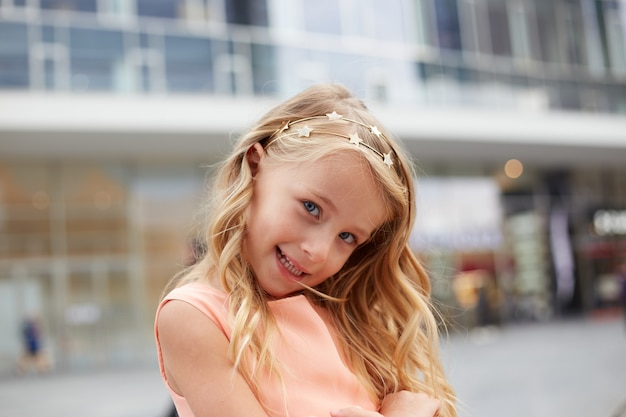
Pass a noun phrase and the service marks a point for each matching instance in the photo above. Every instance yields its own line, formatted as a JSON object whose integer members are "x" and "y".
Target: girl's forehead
{"x": 343, "y": 181}
{"x": 334, "y": 165}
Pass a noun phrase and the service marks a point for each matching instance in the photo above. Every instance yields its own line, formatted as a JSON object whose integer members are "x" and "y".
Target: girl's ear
{"x": 253, "y": 156}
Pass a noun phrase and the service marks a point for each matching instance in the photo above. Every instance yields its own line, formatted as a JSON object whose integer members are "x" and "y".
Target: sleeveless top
{"x": 316, "y": 379}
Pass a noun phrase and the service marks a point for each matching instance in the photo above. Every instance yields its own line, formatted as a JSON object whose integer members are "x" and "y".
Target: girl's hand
{"x": 409, "y": 404}
{"x": 398, "y": 404}
{"x": 354, "y": 412}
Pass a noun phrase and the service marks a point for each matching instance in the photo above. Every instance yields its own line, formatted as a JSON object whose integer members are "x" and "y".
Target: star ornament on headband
{"x": 353, "y": 138}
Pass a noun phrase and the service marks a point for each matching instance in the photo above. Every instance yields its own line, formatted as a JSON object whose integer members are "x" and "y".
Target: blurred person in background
{"x": 34, "y": 357}
{"x": 309, "y": 300}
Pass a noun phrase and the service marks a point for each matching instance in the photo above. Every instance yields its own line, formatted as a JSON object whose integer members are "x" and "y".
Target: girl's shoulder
{"x": 210, "y": 301}
{"x": 196, "y": 289}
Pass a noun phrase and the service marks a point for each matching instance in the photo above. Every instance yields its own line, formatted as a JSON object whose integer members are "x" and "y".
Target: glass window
{"x": 520, "y": 42}
{"x": 95, "y": 203}
{"x": 48, "y": 34}
{"x": 348, "y": 69}
{"x": 356, "y": 19}
{"x": 499, "y": 28}
{"x": 168, "y": 9}
{"x": 575, "y": 34}
{"x": 563, "y": 94}
{"x": 547, "y": 32}
{"x": 425, "y": 30}
{"x": 123, "y": 9}
{"x": 389, "y": 16}
{"x": 188, "y": 64}
{"x": 535, "y": 43}
{"x": 381, "y": 19}
{"x": 322, "y": 16}
{"x": 616, "y": 96}
{"x": 469, "y": 30}
{"x": 233, "y": 74}
{"x": 70, "y": 5}
{"x": 562, "y": 32}
{"x": 475, "y": 26}
{"x": 448, "y": 28}
{"x": 49, "y": 67}
{"x": 593, "y": 38}
{"x": 14, "y": 68}
{"x": 263, "y": 69}
{"x": 96, "y": 59}
{"x": 299, "y": 68}
{"x": 144, "y": 40}
{"x": 25, "y": 210}
{"x": 215, "y": 10}
{"x": 431, "y": 71}
{"x": 614, "y": 13}
{"x": 145, "y": 77}
{"x": 248, "y": 12}
{"x": 119, "y": 309}
{"x": 438, "y": 23}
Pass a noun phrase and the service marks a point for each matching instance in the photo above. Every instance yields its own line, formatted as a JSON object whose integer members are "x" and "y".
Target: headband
{"x": 353, "y": 138}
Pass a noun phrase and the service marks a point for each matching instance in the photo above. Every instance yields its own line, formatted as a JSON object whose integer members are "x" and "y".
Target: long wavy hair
{"x": 380, "y": 299}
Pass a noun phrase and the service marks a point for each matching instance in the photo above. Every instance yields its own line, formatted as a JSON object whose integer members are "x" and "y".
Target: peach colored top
{"x": 315, "y": 377}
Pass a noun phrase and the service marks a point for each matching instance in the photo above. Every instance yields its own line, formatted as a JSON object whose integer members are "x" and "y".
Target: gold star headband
{"x": 305, "y": 131}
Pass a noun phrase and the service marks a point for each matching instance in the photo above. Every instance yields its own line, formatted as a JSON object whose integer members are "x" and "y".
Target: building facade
{"x": 111, "y": 110}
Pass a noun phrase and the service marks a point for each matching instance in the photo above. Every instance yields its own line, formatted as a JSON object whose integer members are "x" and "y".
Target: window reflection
{"x": 322, "y": 16}
{"x": 574, "y": 34}
{"x": 520, "y": 39}
{"x": 448, "y": 29}
{"x": 390, "y": 16}
{"x": 263, "y": 71}
{"x": 246, "y": 12}
{"x": 14, "y": 68}
{"x": 547, "y": 31}
{"x": 188, "y": 64}
{"x": 614, "y": 18}
{"x": 168, "y": 9}
{"x": 438, "y": 23}
{"x": 70, "y": 5}
{"x": 499, "y": 28}
{"x": 380, "y": 19}
{"x": 48, "y": 34}
{"x": 49, "y": 67}
{"x": 96, "y": 59}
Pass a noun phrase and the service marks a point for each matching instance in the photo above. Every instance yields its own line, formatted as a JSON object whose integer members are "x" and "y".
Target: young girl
{"x": 308, "y": 301}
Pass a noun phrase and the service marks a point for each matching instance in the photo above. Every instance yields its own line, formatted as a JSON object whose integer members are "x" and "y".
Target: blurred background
{"x": 113, "y": 111}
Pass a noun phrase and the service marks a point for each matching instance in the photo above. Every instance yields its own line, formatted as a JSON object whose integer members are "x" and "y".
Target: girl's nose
{"x": 317, "y": 246}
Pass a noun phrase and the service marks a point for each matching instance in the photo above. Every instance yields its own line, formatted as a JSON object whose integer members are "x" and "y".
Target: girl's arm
{"x": 195, "y": 357}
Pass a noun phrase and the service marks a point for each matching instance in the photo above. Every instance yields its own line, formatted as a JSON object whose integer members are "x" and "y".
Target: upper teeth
{"x": 287, "y": 264}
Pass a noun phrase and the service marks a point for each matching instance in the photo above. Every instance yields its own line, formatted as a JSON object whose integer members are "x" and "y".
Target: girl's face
{"x": 305, "y": 219}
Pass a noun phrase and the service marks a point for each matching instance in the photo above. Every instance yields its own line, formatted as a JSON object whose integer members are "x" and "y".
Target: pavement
{"x": 573, "y": 368}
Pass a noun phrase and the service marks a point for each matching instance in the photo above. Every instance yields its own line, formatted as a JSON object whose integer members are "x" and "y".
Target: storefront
{"x": 88, "y": 249}
{"x": 549, "y": 244}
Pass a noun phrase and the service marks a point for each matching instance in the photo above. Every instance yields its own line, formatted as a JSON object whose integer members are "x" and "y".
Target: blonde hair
{"x": 380, "y": 299}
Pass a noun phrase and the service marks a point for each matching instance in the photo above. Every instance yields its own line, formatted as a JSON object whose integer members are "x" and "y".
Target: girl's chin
{"x": 279, "y": 296}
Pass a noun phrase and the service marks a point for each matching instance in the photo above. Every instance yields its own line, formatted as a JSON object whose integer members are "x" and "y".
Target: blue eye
{"x": 347, "y": 237}
{"x": 312, "y": 208}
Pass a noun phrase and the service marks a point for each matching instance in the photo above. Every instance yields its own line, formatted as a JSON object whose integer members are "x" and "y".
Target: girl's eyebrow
{"x": 325, "y": 199}
{"x": 328, "y": 202}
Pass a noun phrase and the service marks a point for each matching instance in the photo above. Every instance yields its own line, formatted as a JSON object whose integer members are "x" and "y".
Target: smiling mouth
{"x": 288, "y": 265}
